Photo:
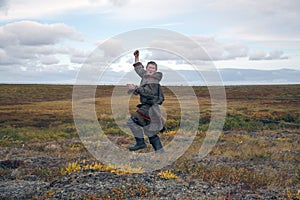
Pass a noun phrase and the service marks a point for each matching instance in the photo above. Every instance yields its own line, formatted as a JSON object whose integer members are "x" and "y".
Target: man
{"x": 147, "y": 119}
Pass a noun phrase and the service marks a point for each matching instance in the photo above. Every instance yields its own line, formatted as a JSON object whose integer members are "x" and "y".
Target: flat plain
{"x": 257, "y": 155}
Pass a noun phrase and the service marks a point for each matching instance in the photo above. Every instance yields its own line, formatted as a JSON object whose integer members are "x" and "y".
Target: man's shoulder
{"x": 138, "y": 64}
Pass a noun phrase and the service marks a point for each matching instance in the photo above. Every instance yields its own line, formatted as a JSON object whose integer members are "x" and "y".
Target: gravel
{"x": 23, "y": 172}
{"x": 91, "y": 183}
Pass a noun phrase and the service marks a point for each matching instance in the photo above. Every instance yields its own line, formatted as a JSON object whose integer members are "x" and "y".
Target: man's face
{"x": 151, "y": 69}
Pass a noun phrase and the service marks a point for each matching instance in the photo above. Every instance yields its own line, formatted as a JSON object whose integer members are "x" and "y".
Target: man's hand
{"x": 136, "y": 53}
{"x": 131, "y": 86}
{"x": 136, "y": 56}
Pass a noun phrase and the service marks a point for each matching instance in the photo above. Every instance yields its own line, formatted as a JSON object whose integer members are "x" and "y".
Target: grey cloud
{"x": 276, "y": 55}
{"x": 232, "y": 51}
{"x": 49, "y": 60}
{"x": 119, "y": 3}
{"x": 4, "y": 5}
{"x": 257, "y": 55}
{"x": 77, "y": 60}
{"x": 105, "y": 52}
{"x": 268, "y": 19}
{"x": 112, "y": 48}
{"x": 31, "y": 44}
{"x": 33, "y": 33}
{"x": 28, "y": 52}
{"x": 204, "y": 48}
{"x": 273, "y": 55}
{"x": 78, "y": 56}
{"x": 246, "y": 19}
{"x": 5, "y": 59}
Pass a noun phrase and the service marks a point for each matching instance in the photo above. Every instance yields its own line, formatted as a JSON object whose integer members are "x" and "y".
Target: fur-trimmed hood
{"x": 155, "y": 78}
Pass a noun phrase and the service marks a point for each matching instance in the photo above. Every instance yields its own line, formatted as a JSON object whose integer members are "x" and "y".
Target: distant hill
{"x": 260, "y": 76}
{"x": 230, "y": 76}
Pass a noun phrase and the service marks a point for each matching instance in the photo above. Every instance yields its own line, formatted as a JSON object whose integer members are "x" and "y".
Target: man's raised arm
{"x": 138, "y": 66}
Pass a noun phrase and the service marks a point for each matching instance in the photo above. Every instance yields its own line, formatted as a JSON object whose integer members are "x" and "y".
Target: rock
{"x": 11, "y": 164}
{"x": 52, "y": 147}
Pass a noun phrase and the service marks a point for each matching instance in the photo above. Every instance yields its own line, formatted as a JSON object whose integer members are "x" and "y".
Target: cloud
{"x": 36, "y": 9}
{"x": 3, "y": 5}
{"x": 267, "y": 20}
{"x": 257, "y": 55}
{"x": 4, "y": 58}
{"x": 78, "y": 56}
{"x": 49, "y": 60}
{"x": 121, "y": 9}
{"x": 261, "y": 55}
{"x": 107, "y": 51}
{"x": 31, "y": 45}
{"x": 33, "y": 33}
{"x": 260, "y": 18}
{"x": 139, "y": 10}
{"x": 204, "y": 48}
{"x": 112, "y": 48}
{"x": 252, "y": 20}
{"x": 246, "y": 20}
{"x": 118, "y": 3}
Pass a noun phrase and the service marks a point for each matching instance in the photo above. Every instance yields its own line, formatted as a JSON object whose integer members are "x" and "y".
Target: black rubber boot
{"x": 155, "y": 141}
{"x": 140, "y": 144}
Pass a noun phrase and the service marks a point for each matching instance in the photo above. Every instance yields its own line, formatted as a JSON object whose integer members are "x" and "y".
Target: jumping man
{"x": 147, "y": 119}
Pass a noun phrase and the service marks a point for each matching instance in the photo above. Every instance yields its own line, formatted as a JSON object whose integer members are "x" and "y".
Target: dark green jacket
{"x": 151, "y": 93}
{"x": 151, "y": 96}
{"x": 149, "y": 90}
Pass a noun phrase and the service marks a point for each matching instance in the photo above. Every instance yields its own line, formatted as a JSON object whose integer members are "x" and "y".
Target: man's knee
{"x": 138, "y": 120}
{"x": 130, "y": 122}
{"x": 150, "y": 133}
{"x": 132, "y": 125}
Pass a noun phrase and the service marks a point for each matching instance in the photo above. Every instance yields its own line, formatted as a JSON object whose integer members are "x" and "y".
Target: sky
{"x": 50, "y": 40}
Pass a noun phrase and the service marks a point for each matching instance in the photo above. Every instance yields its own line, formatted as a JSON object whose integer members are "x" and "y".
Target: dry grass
{"x": 260, "y": 146}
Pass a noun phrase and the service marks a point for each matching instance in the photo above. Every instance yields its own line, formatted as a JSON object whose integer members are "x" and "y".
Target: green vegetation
{"x": 262, "y": 126}
{"x": 44, "y": 112}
